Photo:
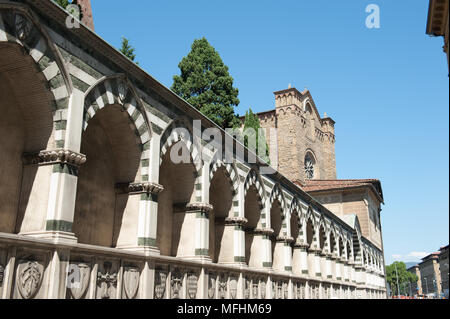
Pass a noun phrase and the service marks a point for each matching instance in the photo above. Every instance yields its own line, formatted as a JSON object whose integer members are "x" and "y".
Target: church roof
{"x": 339, "y": 184}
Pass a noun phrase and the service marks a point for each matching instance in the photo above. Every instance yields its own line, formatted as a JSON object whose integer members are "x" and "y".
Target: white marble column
{"x": 239, "y": 222}
{"x": 148, "y": 205}
{"x": 55, "y": 170}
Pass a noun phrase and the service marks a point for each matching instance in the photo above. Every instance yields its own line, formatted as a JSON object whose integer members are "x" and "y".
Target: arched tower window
{"x": 310, "y": 166}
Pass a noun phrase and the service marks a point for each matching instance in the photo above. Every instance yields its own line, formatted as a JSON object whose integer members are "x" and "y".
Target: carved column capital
{"x": 263, "y": 231}
{"x": 303, "y": 246}
{"x": 57, "y": 156}
{"x": 236, "y": 221}
{"x": 314, "y": 250}
{"x": 284, "y": 239}
{"x": 203, "y": 207}
{"x": 139, "y": 188}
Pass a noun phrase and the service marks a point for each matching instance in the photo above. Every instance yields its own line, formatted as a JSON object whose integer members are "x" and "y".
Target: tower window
{"x": 310, "y": 164}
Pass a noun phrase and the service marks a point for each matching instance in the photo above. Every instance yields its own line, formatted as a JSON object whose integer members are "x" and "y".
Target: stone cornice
{"x": 140, "y": 188}
{"x": 57, "y": 156}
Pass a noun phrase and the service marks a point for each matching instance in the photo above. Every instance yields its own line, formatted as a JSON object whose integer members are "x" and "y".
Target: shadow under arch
{"x": 113, "y": 159}
{"x": 175, "y": 224}
{"x": 222, "y": 194}
{"x": 33, "y": 103}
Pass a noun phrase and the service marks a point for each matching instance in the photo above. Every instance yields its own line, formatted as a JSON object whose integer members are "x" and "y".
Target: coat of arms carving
{"x": 211, "y": 285}
{"x": 192, "y": 280}
{"x": 233, "y": 287}
{"x": 247, "y": 288}
{"x": 29, "y": 278}
{"x": 131, "y": 277}
{"x": 106, "y": 280}
{"x": 263, "y": 290}
{"x": 160, "y": 283}
{"x": 274, "y": 290}
{"x": 78, "y": 279}
{"x": 285, "y": 290}
{"x": 176, "y": 283}
{"x": 222, "y": 287}
{"x": 255, "y": 288}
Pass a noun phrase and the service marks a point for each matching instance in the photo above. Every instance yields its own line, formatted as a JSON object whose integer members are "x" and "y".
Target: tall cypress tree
{"x": 205, "y": 83}
{"x": 62, "y": 3}
{"x": 252, "y": 121}
{"x": 128, "y": 50}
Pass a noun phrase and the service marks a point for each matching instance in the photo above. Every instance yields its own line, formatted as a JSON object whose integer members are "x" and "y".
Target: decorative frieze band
{"x": 51, "y": 157}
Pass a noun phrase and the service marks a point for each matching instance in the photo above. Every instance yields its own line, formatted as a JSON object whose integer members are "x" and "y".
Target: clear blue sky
{"x": 387, "y": 88}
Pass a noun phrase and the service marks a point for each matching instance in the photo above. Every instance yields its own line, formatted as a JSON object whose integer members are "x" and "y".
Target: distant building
{"x": 302, "y": 148}
{"x": 437, "y": 24}
{"x": 443, "y": 268}
{"x": 430, "y": 274}
{"x": 416, "y": 287}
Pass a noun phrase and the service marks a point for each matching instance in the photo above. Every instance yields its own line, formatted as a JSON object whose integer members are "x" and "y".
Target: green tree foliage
{"x": 404, "y": 278}
{"x": 252, "y": 122}
{"x": 127, "y": 49}
{"x": 205, "y": 83}
{"x": 62, "y": 3}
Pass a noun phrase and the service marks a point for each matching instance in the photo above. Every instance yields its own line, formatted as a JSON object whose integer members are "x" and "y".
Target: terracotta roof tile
{"x": 321, "y": 185}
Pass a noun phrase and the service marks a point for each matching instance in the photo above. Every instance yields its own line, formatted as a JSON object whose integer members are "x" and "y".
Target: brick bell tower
{"x": 303, "y": 137}
{"x": 86, "y": 13}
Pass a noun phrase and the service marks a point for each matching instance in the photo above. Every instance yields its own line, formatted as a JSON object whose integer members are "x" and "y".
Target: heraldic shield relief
{"x": 29, "y": 278}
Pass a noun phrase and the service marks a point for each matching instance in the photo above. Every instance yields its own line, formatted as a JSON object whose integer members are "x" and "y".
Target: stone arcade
{"x": 92, "y": 207}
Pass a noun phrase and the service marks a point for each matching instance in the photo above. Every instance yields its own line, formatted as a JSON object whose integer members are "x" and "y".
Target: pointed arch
{"x": 322, "y": 232}
{"x": 349, "y": 250}
{"x": 309, "y": 216}
{"x": 118, "y": 90}
{"x": 35, "y": 89}
{"x": 176, "y": 132}
{"x": 310, "y": 223}
{"x": 295, "y": 214}
{"x": 223, "y": 196}
{"x": 356, "y": 239}
{"x": 340, "y": 245}
{"x": 19, "y": 26}
{"x": 277, "y": 194}
{"x": 231, "y": 172}
{"x": 295, "y": 206}
{"x": 254, "y": 179}
{"x": 321, "y": 223}
{"x": 333, "y": 242}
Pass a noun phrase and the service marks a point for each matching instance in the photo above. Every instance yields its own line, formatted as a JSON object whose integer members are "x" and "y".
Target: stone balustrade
{"x": 38, "y": 268}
